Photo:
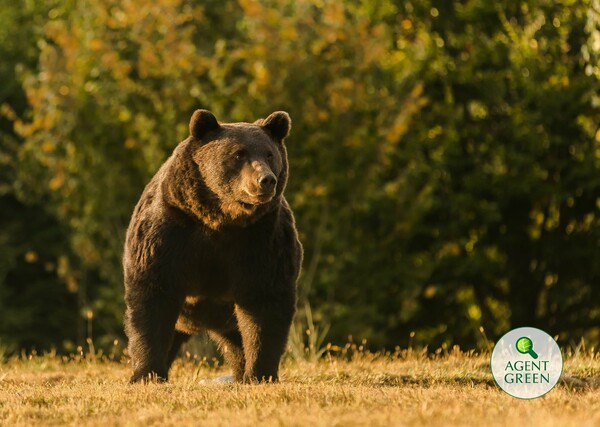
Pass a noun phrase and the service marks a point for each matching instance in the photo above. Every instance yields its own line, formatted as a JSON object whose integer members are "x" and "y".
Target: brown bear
{"x": 212, "y": 246}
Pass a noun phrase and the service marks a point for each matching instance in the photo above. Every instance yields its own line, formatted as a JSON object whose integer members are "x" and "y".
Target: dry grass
{"x": 401, "y": 389}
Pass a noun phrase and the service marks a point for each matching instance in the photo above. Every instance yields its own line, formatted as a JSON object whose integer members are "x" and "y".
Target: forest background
{"x": 445, "y": 157}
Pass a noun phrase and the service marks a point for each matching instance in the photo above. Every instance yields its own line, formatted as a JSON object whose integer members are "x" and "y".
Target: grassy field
{"x": 408, "y": 388}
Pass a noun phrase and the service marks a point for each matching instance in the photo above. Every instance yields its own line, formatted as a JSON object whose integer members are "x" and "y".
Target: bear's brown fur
{"x": 212, "y": 245}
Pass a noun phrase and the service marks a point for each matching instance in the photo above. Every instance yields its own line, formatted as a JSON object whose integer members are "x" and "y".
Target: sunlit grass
{"x": 346, "y": 387}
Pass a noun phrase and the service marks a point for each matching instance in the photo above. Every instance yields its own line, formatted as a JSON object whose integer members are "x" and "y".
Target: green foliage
{"x": 444, "y": 155}
{"x": 37, "y": 308}
{"x": 512, "y": 143}
{"x": 307, "y": 340}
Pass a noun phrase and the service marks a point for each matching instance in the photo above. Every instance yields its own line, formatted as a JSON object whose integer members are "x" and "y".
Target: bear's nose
{"x": 267, "y": 182}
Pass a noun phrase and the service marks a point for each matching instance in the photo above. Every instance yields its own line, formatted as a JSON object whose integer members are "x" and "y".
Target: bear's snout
{"x": 267, "y": 183}
{"x": 260, "y": 187}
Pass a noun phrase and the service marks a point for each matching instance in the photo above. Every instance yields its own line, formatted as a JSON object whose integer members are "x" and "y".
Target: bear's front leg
{"x": 264, "y": 325}
{"x": 150, "y": 327}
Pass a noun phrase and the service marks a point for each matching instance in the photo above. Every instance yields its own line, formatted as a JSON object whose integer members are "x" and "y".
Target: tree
{"x": 444, "y": 155}
{"x": 511, "y": 137}
{"x": 32, "y": 244}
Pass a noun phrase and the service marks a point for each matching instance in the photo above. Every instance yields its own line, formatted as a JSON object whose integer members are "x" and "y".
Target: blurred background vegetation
{"x": 445, "y": 156}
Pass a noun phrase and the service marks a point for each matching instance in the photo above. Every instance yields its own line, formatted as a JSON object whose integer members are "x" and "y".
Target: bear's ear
{"x": 202, "y": 122}
{"x": 278, "y": 124}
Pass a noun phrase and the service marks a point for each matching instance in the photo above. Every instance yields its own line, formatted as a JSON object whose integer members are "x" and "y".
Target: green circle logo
{"x": 526, "y": 363}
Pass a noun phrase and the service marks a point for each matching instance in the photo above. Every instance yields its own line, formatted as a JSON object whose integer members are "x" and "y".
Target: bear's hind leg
{"x": 150, "y": 327}
{"x": 179, "y": 339}
{"x": 230, "y": 344}
{"x": 218, "y": 318}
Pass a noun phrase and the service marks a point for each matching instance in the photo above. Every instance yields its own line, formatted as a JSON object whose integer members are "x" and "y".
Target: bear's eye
{"x": 239, "y": 155}
{"x": 269, "y": 156}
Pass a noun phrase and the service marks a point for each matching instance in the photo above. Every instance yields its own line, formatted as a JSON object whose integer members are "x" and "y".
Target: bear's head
{"x": 238, "y": 171}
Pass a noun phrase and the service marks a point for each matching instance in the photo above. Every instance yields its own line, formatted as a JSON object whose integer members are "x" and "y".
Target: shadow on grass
{"x": 569, "y": 382}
